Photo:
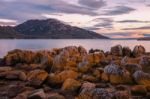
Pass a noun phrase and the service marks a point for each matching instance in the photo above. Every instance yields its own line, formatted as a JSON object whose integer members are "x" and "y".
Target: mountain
{"x": 47, "y": 29}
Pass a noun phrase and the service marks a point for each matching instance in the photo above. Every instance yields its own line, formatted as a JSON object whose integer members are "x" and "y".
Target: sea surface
{"x": 40, "y": 44}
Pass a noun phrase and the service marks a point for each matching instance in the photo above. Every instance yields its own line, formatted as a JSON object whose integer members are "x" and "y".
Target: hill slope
{"x": 48, "y": 29}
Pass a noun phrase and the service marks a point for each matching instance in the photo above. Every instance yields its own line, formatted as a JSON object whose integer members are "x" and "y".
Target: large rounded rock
{"x": 59, "y": 78}
{"x": 71, "y": 85}
{"x": 117, "y": 50}
{"x": 132, "y": 67}
{"x": 138, "y": 50}
{"x": 116, "y": 75}
{"x": 142, "y": 78}
{"x": 68, "y": 58}
{"x": 37, "y": 77}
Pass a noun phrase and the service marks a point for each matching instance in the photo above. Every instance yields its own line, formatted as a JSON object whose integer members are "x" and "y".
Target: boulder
{"x": 68, "y": 58}
{"x": 142, "y": 78}
{"x": 37, "y": 94}
{"x": 138, "y": 51}
{"x": 36, "y": 77}
{"x": 59, "y": 78}
{"x": 117, "y": 50}
{"x": 138, "y": 90}
{"x": 116, "y": 75}
{"x": 14, "y": 75}
{"x": 71, "y": 85}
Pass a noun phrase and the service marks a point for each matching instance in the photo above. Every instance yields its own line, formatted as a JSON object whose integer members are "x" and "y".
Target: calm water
{"x": 7, "y": 45}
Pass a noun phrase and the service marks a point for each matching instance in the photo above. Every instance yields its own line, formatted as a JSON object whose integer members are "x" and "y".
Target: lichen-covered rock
{"x": 138, "y": 90}
{"x": 37, "y": 94}
{"x": 117, "y": 50}
{"x": 116, "y": 75}
{"x": 138, "y": 50}
{"x": 71, "y": 85}
{"x": 14, "y": 75}
{"x": 36, "y": 77}
{"x": 59, "y": 78}
{"x": 68, "y": 58}
{"x": 142, "y": 78}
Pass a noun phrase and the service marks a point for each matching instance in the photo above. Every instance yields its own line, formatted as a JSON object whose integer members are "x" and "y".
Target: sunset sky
{"x": 113, "y": 18}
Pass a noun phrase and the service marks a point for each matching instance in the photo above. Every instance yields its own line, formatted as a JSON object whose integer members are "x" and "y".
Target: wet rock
{"x": 37, "y": 94}
{"x": 117, "y": 50}
{"x": 116, "y": 75}
{"x": 36, "y": 77}
{"x": 71, "y": 85}
{"x": 142, "y": 78}
{"x": 14, "y": 75}
{"x": 59, "y": 78}
{"x": 138, "y": 90}
{"x": 138, "y": 50}
{"x": 122, "y": 95}
{"x": 126, "y": 51}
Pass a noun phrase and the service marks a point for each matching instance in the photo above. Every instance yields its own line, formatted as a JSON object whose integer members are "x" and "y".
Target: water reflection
{"x": 7, "y": 45}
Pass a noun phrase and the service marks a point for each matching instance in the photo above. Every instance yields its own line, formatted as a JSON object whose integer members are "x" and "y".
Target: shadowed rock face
{"x": 73, "y": 73}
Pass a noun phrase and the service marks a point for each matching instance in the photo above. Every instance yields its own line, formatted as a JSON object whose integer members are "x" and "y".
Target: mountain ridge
{"x": 47, "y": 29}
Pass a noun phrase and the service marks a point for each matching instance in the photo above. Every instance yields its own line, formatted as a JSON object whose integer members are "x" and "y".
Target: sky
{"x": 112, "y": 18}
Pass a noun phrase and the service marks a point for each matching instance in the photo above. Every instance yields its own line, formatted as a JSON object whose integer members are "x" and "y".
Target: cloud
{"x": 93, "y": 3}
{"x": 119, "y": 10}
{"x": 132, "y": 21}
{"x": 138, "y": 28}
{"x": 5, "y": 22}
{"x": 124, "y": 35}
{"x": 92, "y": 28}
{"x": 105, "y": 23}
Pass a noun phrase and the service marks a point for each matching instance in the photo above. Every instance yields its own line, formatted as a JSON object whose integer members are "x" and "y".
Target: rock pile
{"x": 73, "y": 73}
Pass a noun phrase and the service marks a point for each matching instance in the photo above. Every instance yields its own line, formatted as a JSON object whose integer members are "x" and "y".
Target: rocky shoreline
{"x": 74, "y": 73}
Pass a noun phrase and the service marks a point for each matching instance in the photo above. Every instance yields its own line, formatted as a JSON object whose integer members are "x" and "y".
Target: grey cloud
{"x": 92, "y": 28}
{"x": 139, "y": 28}
{"x": 93, "y": 3}
{"x": 132, "y": 21}
{"x": 119, "y": 10}
{"x": 28, "y": 9}
{"x": 104, "y": 22}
